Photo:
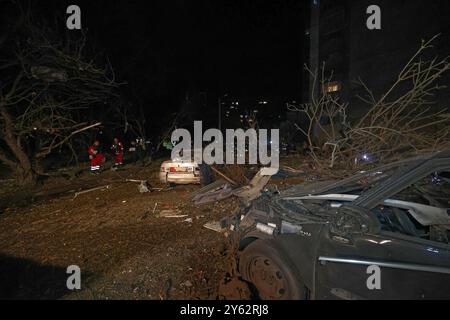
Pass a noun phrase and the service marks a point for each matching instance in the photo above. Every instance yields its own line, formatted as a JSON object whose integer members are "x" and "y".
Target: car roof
{"x": 401, "y": 179}
{"x": 323, "y": 187}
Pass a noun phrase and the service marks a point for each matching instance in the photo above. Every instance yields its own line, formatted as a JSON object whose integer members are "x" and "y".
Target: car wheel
{"x": 270, "y": 273}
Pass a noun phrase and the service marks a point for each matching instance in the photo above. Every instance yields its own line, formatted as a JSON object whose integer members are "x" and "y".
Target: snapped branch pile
{"x": 402, "y": 122}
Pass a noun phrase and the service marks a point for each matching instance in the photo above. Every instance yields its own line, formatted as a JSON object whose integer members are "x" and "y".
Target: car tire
{"x": 270, "y": 273}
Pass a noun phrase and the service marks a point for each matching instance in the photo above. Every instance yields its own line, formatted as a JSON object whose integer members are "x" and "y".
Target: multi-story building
{"x": 339, "y": 38}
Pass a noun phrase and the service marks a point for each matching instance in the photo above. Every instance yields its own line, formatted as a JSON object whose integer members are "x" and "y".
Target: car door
{"x": 383, "y": 264}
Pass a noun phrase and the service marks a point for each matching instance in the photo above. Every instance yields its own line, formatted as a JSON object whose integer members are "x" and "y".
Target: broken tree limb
{"x": 290, "y": 169}
{"x": 144, "y": 185}
{"x": 224, "y": 176}
{"x": 91, "y": 190}
{"x": 172, "y": 214}
{"x": 176, "y": 216}
{"x": 86, "y": 128}
{"x": 137, "y": 181}
{"x": 50, "y": 148}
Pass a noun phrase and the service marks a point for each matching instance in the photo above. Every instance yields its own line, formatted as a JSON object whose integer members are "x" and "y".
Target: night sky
{"x": 163, "y": 49}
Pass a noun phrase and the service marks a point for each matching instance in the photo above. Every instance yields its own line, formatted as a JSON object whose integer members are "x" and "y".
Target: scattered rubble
{"x": 221, "y": 190}
{"x": 143, "y": 187}
{"x": 154, "y": 234}
{"x": 172, "y": 214}
{"x": 215, "y": 226}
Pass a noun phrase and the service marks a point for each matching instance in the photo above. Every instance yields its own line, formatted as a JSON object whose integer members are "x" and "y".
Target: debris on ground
{"x": 143, "y": 187}
{"x": 221, "y": 190}
{"x": 145, "y": 215}
{"x": 172, "y": 214}
{"x": 224, "y": 176}
{"x": 91, "y": 190}
{"x": 215, "y": 226}
{"x": 161, "y": 239}
{"x": 253, "y": 190}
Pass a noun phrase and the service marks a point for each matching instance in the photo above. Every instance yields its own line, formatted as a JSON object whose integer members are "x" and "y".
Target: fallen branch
{"x": 136, "y": 181}
{"x": 49, "y": 149}
{"x": 224, "y": 176}
{"x": 90, "y": 190}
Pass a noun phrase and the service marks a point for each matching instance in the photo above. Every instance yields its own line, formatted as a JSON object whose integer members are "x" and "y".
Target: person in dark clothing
{"x": 136, "y": 151}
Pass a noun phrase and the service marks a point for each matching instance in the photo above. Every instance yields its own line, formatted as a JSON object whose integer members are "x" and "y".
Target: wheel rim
{"x": 268, "y": 279}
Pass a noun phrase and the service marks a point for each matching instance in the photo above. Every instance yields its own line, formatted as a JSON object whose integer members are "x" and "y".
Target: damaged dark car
{"x": 327, "y": 240}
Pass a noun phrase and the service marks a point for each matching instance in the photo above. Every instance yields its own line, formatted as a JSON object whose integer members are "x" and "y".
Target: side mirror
{"x": 353, "y": 220}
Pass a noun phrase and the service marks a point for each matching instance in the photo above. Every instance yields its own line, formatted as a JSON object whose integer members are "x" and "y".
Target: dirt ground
{"x": 119, "y": 237}
{"x": 124, "y": 248}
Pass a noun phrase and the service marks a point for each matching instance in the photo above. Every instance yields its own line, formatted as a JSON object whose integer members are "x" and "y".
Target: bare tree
{"x": 48, "y": 85}
{"x": 402, "y": 121}
{"x": 326, "y": 106}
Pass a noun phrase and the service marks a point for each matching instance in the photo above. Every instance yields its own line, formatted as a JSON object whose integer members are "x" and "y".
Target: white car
{"x": 180, "y": 172}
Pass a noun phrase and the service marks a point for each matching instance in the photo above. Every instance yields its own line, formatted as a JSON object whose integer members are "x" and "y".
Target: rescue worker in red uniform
{"x": 97, "y": 159}
{"x": 117, "y": 149}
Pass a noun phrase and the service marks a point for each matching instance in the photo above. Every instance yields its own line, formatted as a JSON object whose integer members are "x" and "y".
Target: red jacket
{"x": 92, "y": 152}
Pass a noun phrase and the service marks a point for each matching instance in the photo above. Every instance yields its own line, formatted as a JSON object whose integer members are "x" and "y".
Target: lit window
{"x": 332, "y": 87}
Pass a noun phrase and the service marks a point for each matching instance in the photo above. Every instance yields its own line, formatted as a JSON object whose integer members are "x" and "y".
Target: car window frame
{"x": 374, "y": 197}
{"x": 413, "y": 239}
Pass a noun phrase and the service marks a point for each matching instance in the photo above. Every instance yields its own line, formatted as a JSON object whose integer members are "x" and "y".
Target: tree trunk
{"x": 25, "y": 176}
{"x": 22, "y": 168}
